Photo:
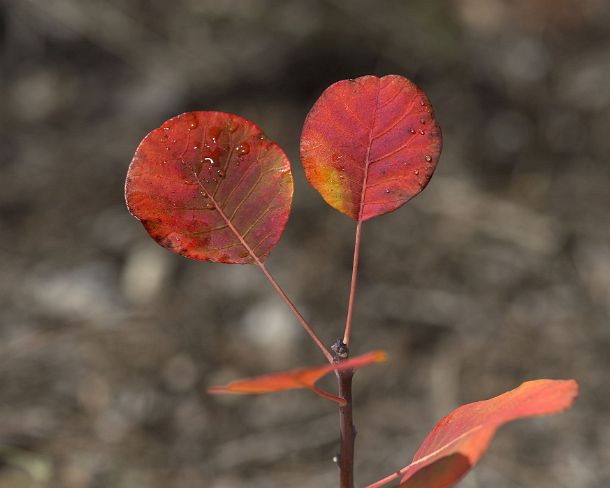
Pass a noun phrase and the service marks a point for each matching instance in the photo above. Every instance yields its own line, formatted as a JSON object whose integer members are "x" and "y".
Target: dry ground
{"x": 498, "y": 273}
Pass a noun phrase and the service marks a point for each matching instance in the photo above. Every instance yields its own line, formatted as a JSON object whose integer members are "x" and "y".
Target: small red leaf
{"x": 212, "y": 187}
{"x": 297, "y": 378}
{"x": 371, "y": 144}
{"x": 459, "y": 440}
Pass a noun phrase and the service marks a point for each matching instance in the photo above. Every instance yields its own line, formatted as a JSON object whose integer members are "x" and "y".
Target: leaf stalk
{"x": 352, "y": 292}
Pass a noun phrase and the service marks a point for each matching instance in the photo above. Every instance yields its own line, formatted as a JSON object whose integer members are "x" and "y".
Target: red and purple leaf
{"x": 297, "y": 378}
{"x": 459, "y": 440}
{"x": 370, "y": 144}
{"x": 210, "y": 186}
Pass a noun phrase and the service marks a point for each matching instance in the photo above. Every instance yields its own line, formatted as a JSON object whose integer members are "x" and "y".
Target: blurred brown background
{"x": 499, "y": 272}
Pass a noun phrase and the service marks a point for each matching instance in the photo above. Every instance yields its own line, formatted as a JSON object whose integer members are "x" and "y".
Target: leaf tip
{"x": 565, "y": 392}
{"x": 570, "y": 390}
{"x": 380, "y": 356}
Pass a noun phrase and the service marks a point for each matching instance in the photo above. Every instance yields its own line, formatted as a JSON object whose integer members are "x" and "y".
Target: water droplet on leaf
{"x": 214, "y": 133}
{"x": 422, "y": 132}
{"x": 428, "y": 158}
{"x": 412, "y": 131}
{"x": 232, "y": 126}
{"x": 243, "y": 149}
{"x": 192, "y": 121}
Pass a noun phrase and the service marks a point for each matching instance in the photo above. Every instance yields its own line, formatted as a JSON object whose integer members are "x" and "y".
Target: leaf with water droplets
{"x": 459, "y": 440}
{"x": 297, "y": 378}
{"x": 207, "y": 186}
{"x": 371, "y": 144}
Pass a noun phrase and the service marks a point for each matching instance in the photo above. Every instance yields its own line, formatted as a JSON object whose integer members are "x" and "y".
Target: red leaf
{"x": 297, "y": 378}
{"x": 459, "y": 440}
{"x": 211, "y": 186}
{"x": 370, "y": 144}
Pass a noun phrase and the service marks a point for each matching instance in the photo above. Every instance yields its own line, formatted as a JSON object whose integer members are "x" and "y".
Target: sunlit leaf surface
{"x": 211, "y": 186}
{"x": 459, "y": 440}
{"x": 370, "y": 144}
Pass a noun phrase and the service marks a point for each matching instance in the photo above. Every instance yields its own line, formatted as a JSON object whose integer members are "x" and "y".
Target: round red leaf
{"x": 211, "y": 186}
{"x": 370, "y": 144}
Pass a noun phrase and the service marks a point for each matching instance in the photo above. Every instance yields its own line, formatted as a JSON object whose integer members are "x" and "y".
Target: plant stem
{"x": 294, "y": 310}
{"x": 348, "y": 431}
{"x": 352, "y": 291}
{"x": 260, "y": 264}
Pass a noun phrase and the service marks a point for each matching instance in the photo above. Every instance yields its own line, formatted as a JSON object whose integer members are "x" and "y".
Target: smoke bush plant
{"x": 212, "y": 187}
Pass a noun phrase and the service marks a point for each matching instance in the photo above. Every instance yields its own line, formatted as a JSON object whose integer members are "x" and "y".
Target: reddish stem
{"x": 348, "y": 431}
{"x": 297, "y": 314}
{"x": 260, "y": 264}
{"x": 352, "y": 292}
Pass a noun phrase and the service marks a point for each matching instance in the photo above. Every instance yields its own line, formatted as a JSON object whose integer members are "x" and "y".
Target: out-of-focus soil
{"x": 498, "y": 273}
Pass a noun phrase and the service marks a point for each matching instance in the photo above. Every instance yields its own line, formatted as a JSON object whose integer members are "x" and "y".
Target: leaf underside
{"x": 459, "y": 440}
{"x": 370, "y": 144}
{"x": 210, "y": 186}
{"x": 297, "y": 378}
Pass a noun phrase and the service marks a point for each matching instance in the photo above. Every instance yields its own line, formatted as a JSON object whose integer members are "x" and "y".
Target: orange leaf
{"x": 297, "y": 378}
{"x": 459, "y": 440}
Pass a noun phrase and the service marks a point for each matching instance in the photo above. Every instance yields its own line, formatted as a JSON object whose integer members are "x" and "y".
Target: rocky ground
{"x": 499, "y": 272}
